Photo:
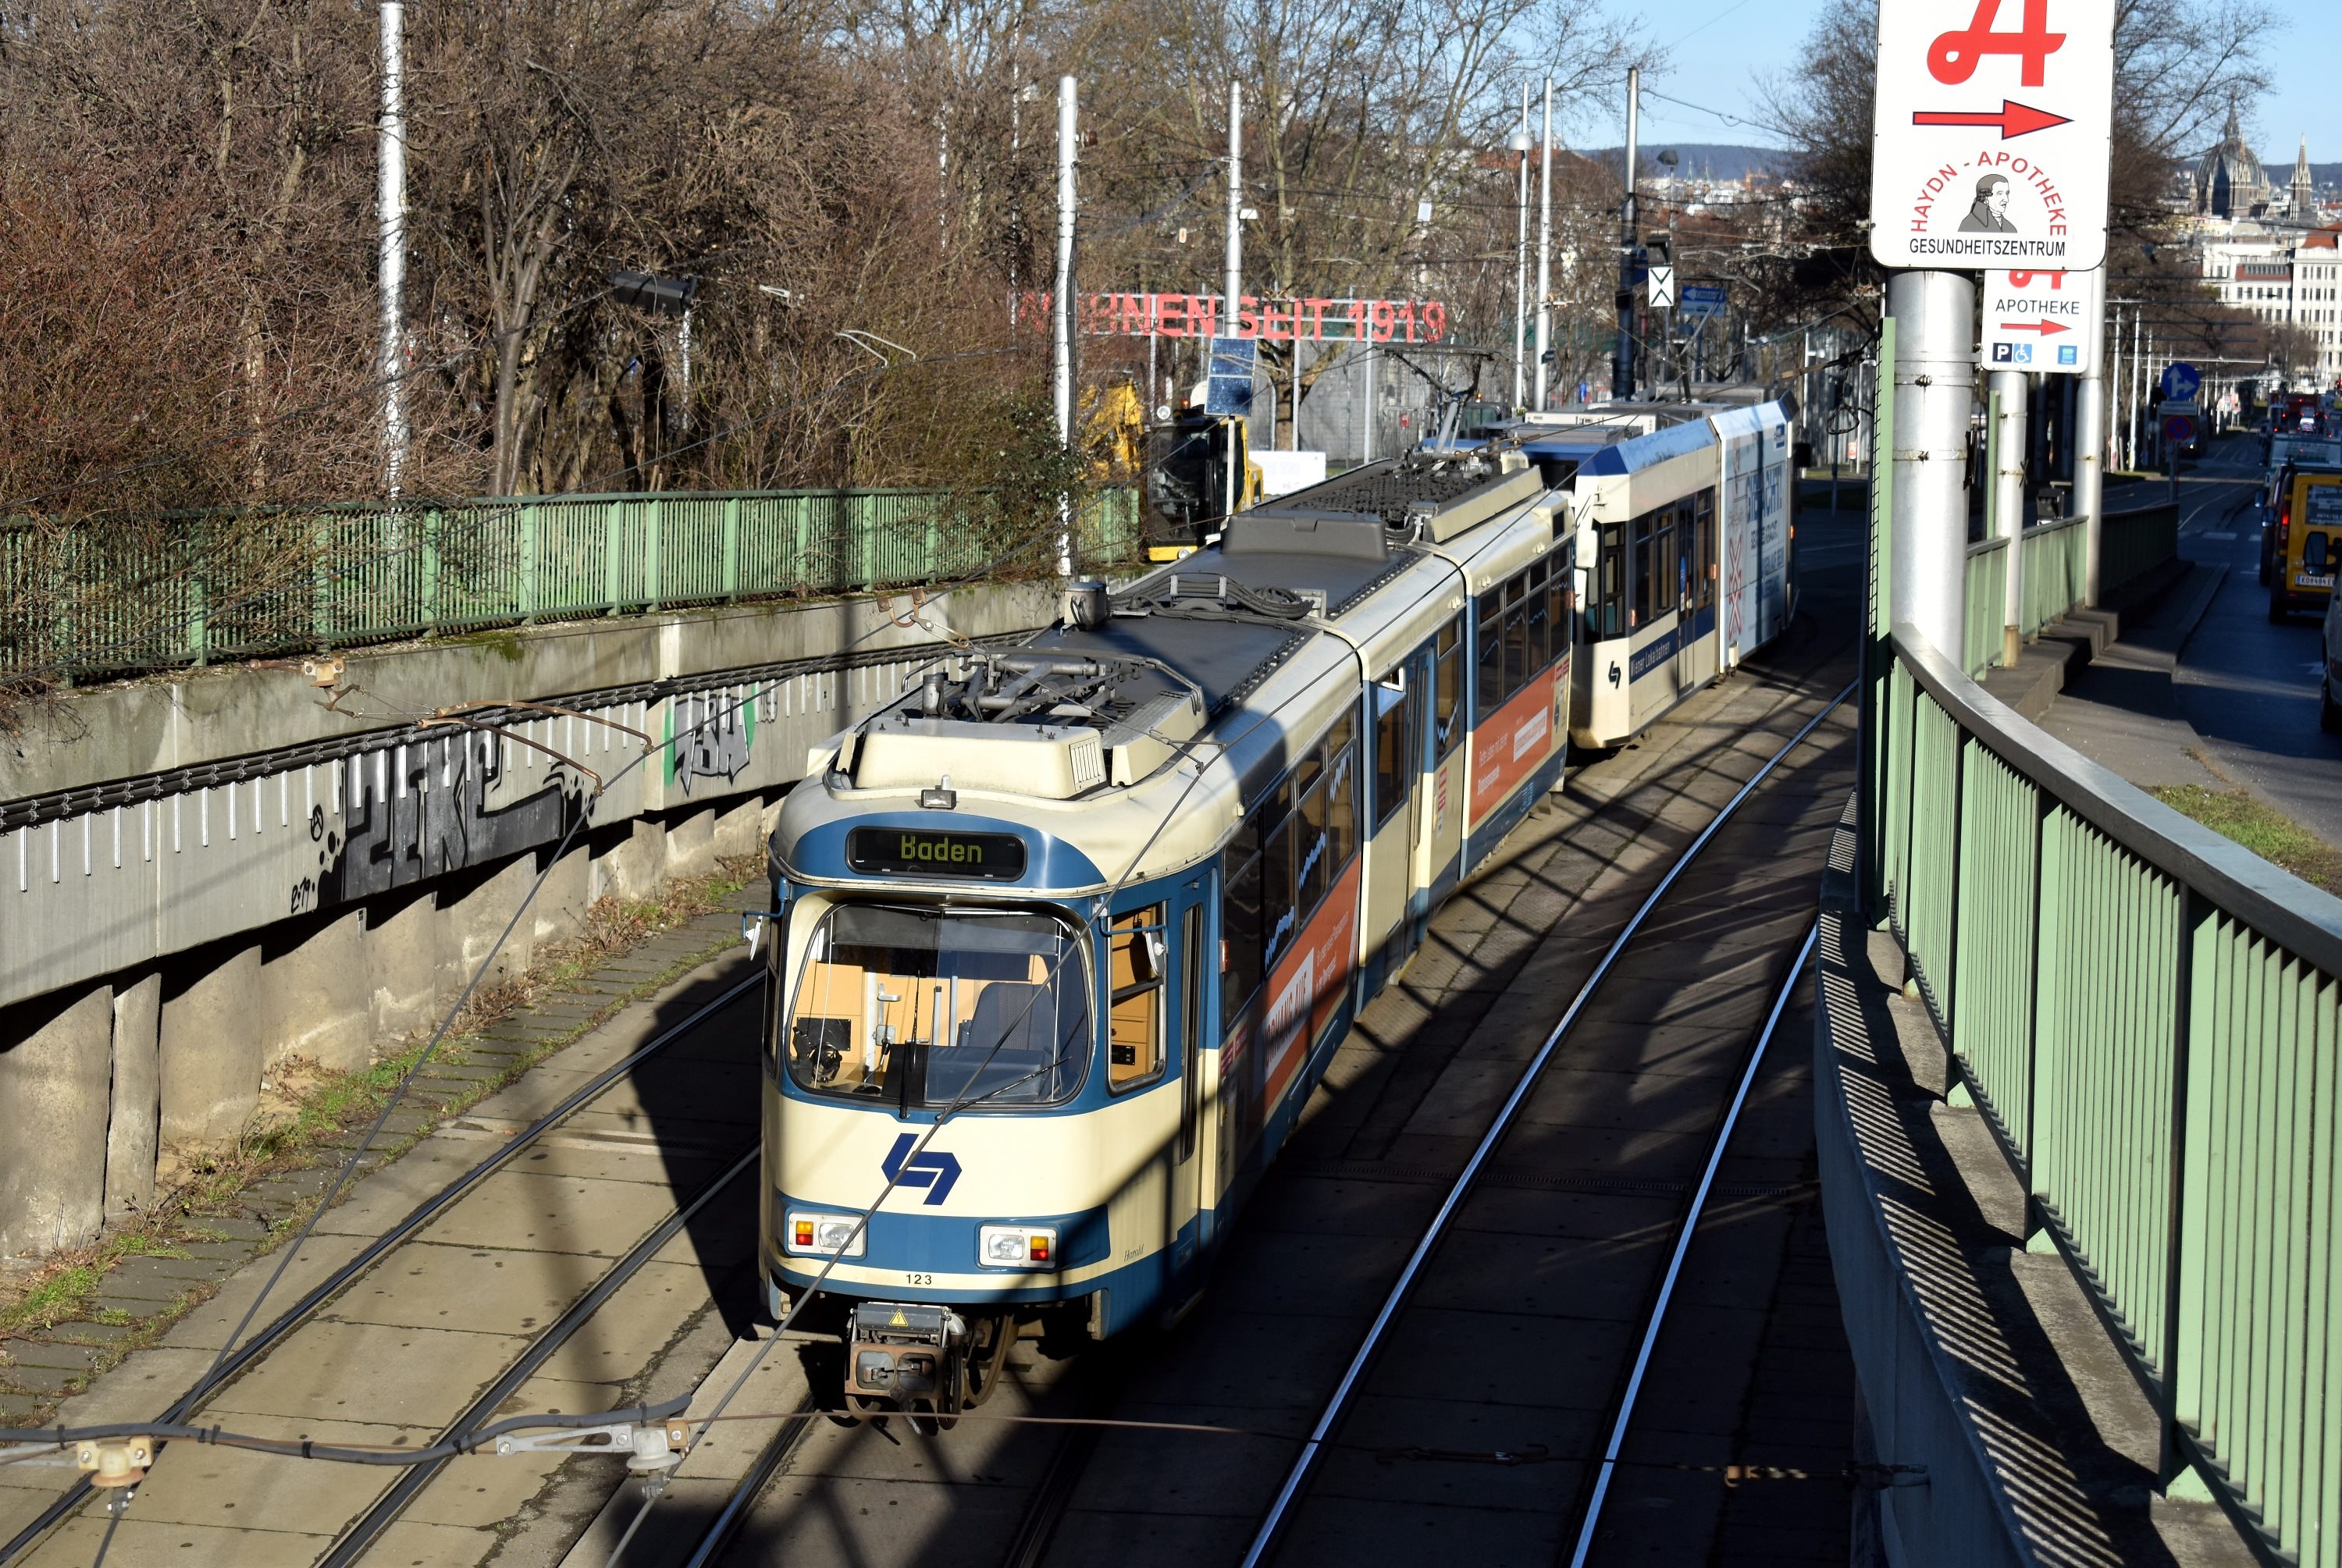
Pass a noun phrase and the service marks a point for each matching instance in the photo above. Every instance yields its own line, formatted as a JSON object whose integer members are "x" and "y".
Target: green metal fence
{"x": 2150, "y": 1018}
{"x": 1987, "y": 599}
{"x": 2055, "y": 560}
{"x": 91, "y": 599}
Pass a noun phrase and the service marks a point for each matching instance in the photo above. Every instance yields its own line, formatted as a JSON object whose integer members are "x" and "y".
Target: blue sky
{"x": 1721, "y": 47}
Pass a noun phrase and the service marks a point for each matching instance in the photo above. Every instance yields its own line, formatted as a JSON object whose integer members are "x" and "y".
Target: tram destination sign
{"x": 1990, "y": 143}
{"x": 911, "y": 852}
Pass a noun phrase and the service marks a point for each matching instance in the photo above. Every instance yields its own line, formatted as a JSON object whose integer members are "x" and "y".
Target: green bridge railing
{"x": 2150, "y": 1018}
{"x": 93, "y": 599}
{"x": 2055, "y": 561}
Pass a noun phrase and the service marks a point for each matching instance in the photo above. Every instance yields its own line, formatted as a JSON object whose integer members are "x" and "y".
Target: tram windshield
{"x": 928, "y": 1007}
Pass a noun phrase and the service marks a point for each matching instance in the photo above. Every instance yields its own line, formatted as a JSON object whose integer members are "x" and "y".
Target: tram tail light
{"x": 1016, "y": 1247}
{"x": 825, "y": 1235}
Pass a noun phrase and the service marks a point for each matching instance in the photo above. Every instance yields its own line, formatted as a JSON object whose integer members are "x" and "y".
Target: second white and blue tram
{"x": 1104, "y": 902}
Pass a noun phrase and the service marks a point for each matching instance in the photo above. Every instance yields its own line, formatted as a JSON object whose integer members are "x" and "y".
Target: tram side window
{"x": 1516, "y": 633}
{"x": 1447, "y": 699}
{"x": 1518, "y": 636}
{"x": 1393, "y": 774}
{"x": 1561, "y": 589}
{"x": 1240, "y": 965}
{"x": 1606, "y": 617}
{"x": 1314, "y": 834}
{"x": 1135, "y": 969}
{"x": 1341, "y": 794}
{"x": 1703, "y": 560}
{"x": 1654, "y": 565}
{"x": 1540, "y": 619}
{"x": 1277, "y": 926}
{"x": 1489, "y": 675}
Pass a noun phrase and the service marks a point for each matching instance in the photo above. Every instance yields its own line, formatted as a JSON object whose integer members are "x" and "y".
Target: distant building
{"x": 2282, "y": 277}
{"x": 2230, "y": 182}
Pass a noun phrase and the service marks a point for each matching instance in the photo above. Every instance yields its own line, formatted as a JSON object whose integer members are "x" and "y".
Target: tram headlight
{"x": 825, "y": 1235}
{"x": 1016, "y": 1247}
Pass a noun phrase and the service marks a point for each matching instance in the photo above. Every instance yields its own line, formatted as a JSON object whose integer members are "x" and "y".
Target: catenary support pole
{"x": 1934, "y": 395}
{"x": 1544, "y": 253}
{"x": 390, "y": 206}
{"x": 1063, "y": 316}
{"x": 1232, "y": 285}
{"x": 2089, "y": 442}
{"x": 1521, "y": 272}
{"x": 1622, "y": 361}
{"x": 2008, "y": 482}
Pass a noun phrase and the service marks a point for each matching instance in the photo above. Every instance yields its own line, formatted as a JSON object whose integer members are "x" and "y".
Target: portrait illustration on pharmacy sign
{"x": 1989, "y": 148}
{"x": 1989, "y": 215}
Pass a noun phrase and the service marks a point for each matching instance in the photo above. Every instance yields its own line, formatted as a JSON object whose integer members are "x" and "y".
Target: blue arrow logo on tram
{"x": 938, "y": 1172}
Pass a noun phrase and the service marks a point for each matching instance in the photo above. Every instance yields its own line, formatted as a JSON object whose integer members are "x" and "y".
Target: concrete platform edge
{"x": 1910, "y": 1397}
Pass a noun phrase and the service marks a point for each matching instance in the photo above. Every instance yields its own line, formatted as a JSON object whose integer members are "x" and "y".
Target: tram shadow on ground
{"x": 696, "y": 1105}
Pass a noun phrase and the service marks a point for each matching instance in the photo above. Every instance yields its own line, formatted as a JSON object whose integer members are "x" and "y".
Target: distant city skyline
{"x": 1720, "y": 49}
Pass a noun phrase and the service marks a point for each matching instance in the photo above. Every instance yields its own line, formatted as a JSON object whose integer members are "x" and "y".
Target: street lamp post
{"x": 1518, "y": 144}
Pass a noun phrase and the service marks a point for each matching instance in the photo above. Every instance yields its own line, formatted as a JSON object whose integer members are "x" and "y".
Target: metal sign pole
{"x": 2008, "y": 482}
{"x": 2089, "y": 443}
{"x": 1935, "y": 391}
{"x": 1545, "y": 251}
{"x": 1622, "y": 361}
{"x": 390, "y": 206}
{"x": 1064, "y": 314}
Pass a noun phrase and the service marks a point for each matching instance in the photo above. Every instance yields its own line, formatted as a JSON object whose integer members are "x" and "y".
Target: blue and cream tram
{"x": 1103, "y": 903}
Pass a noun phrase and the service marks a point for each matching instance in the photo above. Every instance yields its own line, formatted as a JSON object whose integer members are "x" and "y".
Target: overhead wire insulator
{"x": 115, "y": 1461}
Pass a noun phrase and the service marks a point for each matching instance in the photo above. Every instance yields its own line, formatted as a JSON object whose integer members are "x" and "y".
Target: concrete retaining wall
{"x": 204, "y": 876}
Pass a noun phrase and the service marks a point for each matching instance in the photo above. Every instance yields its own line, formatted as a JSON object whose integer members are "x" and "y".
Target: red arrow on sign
{"x": 2014, "y": 119}
{"x": 2045, "y": 328}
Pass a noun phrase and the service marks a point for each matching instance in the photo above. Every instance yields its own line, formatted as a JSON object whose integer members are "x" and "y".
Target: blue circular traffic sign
{"x": 2181, "y": 381}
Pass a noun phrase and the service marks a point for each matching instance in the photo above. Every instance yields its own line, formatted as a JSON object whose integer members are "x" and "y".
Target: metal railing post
{"x": 731, "y": 582}
{"x": 532, "y": 556}
{"x": 654, "y": 542}
{"x": 2172, "y": 1460}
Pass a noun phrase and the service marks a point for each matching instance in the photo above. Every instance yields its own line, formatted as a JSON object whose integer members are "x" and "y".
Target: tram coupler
{"x": 903, "y": 1351}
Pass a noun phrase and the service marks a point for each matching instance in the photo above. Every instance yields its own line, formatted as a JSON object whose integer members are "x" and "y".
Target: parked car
{"x": 2330, "y": 711}
{"x": 2307, "y": 546}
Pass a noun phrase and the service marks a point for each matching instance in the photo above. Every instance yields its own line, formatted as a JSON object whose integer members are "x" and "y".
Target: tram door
{"x": 1439, "y": 667}
{"x": 1192, "y": 1153}
{"x": 1397, "y": 737}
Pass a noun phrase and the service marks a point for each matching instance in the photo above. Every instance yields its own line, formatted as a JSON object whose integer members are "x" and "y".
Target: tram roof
{"x": 1641, "y": 451}
{"x": 1224, "y": 658}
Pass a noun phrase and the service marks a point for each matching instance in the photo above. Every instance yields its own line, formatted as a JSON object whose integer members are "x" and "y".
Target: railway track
{"x": 999, "y": 1491}
{"x": 1393, "y": 1323}
{"x": 465, "y": 1216}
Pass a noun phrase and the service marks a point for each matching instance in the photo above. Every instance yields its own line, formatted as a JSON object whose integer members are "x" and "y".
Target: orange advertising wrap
{"x": 1305, "y": 987}
{"x": 1521, "y": 735}
{"x": 1301, "y": 991}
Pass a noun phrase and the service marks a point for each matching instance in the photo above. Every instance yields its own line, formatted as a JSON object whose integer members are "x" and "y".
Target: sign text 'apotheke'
{"x": 1269, "y": 320}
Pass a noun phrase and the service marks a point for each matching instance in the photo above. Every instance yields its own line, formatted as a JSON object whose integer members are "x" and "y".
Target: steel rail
{"x": 1683, "y": 1247}
{"x": 734, "y": 1512}
{"x": 387, "y": 1508}
{"x": 1273, "y": 1525}
{"x": 423, "y": 1214}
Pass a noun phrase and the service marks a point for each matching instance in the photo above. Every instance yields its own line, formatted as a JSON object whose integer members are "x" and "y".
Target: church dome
{"x": 2231, "y": 181}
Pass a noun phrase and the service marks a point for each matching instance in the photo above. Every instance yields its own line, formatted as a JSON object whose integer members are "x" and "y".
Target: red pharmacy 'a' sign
{"x": 1990, "y": 141}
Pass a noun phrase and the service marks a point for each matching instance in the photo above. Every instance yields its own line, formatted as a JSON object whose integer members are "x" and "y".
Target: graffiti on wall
{"x": 710, "y": 735}
{"x": 421, "y": 810}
